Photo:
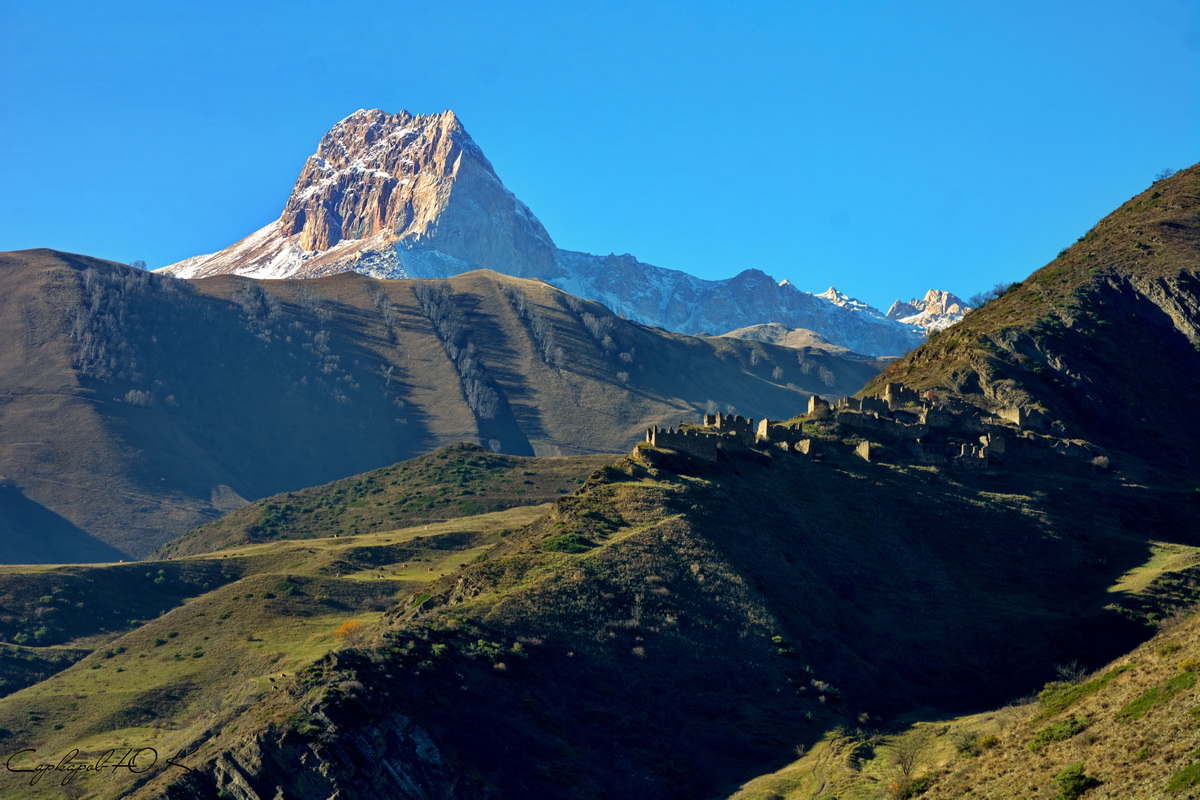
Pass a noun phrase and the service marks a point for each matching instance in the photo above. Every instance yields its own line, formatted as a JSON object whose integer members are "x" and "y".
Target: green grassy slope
{"x": 211, "y": 651}
{"x": 461, "y": 480}
{"x": 675, "y": 629}
{"x": 1133, "y": 725}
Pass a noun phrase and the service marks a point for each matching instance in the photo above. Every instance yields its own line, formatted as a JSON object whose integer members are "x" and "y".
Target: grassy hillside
{"x": 672, "y": 629}
{"x": 1129, "y": 729}
{"x": 1105, "y": 338}
{"x": 449, "y": 483}
{"x": 210, "y": 651}
{"x": 137, "y": 406}
{"x": 798, "y": 338}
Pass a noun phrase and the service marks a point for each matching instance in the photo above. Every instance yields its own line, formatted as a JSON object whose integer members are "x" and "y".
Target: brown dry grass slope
{"x": 135, "y": 406}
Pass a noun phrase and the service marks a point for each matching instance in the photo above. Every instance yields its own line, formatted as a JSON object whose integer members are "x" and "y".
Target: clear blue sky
{"x": 885, "y": 147}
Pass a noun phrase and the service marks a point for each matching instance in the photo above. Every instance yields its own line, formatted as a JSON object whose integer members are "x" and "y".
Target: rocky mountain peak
{"x": 379, "y": 185}
{"x": 375, "y": 172}
{"x": 412, "y": 196}
{"x": 938, "y": 309}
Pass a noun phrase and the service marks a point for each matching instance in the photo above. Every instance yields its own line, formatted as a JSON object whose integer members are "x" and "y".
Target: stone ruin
{"x": 728, "y": 433}
{"x": 897, "y": 425}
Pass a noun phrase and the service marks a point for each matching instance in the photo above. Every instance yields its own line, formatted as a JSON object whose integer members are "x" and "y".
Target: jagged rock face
{"x": 379, "y": 181}
{"x": 937, "y": 310}
{"x": 901, "y": 309}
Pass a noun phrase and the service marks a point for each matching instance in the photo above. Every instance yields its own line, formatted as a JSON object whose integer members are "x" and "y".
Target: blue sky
{"x": 884, "y": 147}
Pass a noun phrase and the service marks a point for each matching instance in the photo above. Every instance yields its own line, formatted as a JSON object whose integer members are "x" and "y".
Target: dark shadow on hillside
{"x": 260, "y": 401}
{"x": 930, "y": 589}
{"x": 30, "y": 533}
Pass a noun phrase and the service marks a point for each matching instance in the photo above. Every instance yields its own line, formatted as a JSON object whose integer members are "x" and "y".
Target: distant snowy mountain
{"x": 936, "y": 311}
{"x": 404, "y": 196}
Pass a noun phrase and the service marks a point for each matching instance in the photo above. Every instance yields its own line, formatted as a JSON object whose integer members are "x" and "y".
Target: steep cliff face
{"x": 404, "y": 196}
{"x": 383, "y": 182}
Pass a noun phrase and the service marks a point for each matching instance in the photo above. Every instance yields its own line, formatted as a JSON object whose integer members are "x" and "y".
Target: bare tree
{"x": 977, "y": 301}
{"x": 908, "y": 751}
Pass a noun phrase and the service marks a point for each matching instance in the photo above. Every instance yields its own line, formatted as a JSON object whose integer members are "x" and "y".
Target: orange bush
{"x": 350, "y": 629}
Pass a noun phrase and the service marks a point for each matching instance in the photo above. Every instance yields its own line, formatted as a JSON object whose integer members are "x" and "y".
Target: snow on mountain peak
{"x": 413, "y": 196}
{"x": 937, "y": 310}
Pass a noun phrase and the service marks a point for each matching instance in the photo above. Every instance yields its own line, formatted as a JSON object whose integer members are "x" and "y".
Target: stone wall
{"x": 694, "y": 443}
{"x": 818, "y": 407}
{"x": 897, "y": 395}
{"x": 737, "y": 425}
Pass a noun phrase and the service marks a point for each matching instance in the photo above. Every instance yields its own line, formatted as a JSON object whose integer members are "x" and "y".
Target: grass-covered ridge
{"x": 703, "y": 601}
{"x": 679, "y": 619}
{"x": 457, "y": 481}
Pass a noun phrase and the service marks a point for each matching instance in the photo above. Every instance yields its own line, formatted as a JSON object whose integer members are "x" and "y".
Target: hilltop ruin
{"x": 899, "y": 425}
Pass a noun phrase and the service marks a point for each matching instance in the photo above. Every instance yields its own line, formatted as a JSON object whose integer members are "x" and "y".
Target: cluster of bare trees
{"x": 809, "y": 365}
{"x": 607, "y": 332}
{"x": 539, "y": 329}
{"x": 100, "y": 322}
{"x": 436, "y": 304}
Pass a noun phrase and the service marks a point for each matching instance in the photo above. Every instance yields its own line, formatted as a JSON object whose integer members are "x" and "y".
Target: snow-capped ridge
{"x": 936, "y": 311}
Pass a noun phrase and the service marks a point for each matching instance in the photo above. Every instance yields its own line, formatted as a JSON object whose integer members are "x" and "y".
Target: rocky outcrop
{"x": 937, "y": 310}
{"x": 389, "y": 756}
{"x": 381, "y": 182}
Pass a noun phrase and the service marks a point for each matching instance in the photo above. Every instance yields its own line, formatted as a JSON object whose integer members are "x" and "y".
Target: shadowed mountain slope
{"x": 1104, "y": 339}
{"x": 136, "y": 406}
{"x": 457, "y": 481}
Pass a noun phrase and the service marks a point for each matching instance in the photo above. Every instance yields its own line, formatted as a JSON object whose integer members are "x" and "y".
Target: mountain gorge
{"x": 137, "y": 406}
{"x": 398, "y": 195}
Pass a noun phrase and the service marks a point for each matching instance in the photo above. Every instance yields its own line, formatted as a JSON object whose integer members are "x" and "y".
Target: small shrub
{"x": 1072, "y": 782}
{"x": 1063, "y": 729}
{"x": 1168, "y": 649}
{"x": 304, "y": 725}
{"x": 966, "y": 743}
{"x": 351, "y": 632}
{"x": 1186, "y": 778}
{"x": 572, "y": 543}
